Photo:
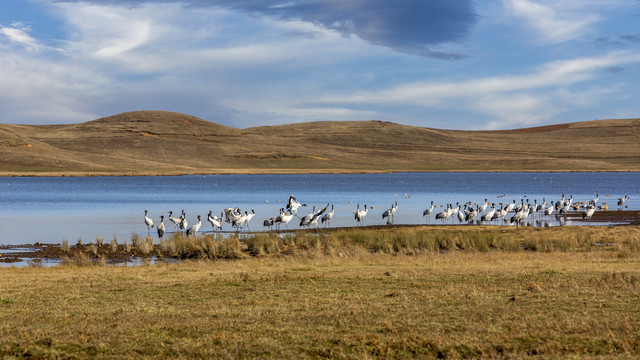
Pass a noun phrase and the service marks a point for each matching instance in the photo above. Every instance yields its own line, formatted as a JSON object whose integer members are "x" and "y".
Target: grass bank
{"x": 346, "y": 294}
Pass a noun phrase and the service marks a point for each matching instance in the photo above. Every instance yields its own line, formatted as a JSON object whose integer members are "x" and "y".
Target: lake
{"x": 49, "y": 209}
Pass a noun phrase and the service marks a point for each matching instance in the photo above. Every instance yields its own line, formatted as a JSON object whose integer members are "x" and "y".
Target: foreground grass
{"x": 339, "y": 299}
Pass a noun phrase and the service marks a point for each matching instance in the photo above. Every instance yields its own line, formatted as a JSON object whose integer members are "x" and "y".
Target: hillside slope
{"x": 164, "y": 143}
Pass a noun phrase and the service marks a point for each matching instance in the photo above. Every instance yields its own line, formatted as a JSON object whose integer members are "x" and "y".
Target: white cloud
{"x": 18, "y": 34}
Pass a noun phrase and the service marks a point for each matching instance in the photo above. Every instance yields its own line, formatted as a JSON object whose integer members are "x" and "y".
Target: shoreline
{"x": 40, "y": 253}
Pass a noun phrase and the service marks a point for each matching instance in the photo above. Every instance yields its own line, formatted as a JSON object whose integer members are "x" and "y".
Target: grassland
{"x": 165, "y": 143}
{"x": 426, "y": 292}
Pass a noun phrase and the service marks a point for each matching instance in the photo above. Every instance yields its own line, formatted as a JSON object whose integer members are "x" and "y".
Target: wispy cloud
{"x": 17, "y": 33}
{"x": 517, "y": 99}
{"x": 554, "y": 21}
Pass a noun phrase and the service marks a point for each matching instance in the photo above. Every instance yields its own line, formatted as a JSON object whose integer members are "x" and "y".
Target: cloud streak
{"x": 407, "y": 26}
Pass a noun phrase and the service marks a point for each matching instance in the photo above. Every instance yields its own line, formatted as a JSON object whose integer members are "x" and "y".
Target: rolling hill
{"x": 166, "y": 143}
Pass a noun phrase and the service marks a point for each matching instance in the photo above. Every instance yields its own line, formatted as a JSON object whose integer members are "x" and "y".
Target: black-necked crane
{"x": 622, "y": 200}
{"x": 428, "y": 212}
{"x": 305, "y": 220}
{"x": 293, "y": 205}
{"x": 161, "y": 227}
{"x": 232, "y": 214}
{"x": 471, "y": 215}
{"x": 560, "y": 203}
{"x": 238, "y": 222}
{"x": 183, "y": 221}
{"x": 249, "y": 217}
{"x": 286, "y": 217}
{"x": 175, "y": 220}
{"x": 484, "y": 205}
{"x": 489, "y": 215}
{"x": 549, "y": 210}
{"x": 511, "y": 206}
{"x": 587, "y": 214}
{"x": 148, "y": 222}
{"x": 565, "y": 208}
{"x": 500, "y": 213}
{"x": 193, "y": 230}
{"x": 454, "y": 211}
{"x": 313, "y": 217}
{"x": 443, "y": 215}
{"x": 461, "y": 214}
{"x": 268, "y": 223}
{"x": 328, "y": 216}
{"x": 216, "y": 222}
{"x": 389, "y": 213}
{"x": 360, "y": 214}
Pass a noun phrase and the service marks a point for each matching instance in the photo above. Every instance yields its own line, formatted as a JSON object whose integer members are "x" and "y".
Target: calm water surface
{"x": 51, "y": 209}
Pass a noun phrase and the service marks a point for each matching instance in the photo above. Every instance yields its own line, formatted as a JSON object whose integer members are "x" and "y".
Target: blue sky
{"x": 494, "y": 64}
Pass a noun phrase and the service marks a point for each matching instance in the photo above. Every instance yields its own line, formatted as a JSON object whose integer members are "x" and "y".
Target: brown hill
{"x": 162, "y": 143}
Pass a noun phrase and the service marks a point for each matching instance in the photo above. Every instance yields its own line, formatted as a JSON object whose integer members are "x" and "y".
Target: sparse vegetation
{"x": 119, "y": 144}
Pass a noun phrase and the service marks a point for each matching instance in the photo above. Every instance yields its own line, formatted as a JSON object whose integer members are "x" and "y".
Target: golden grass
{"x": 165, "y": 143}
{"x": 349, "y": 302}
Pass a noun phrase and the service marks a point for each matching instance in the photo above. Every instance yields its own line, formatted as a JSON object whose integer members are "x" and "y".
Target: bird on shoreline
{"x": 161, "y": 227}
{"x": 148, "y": 222}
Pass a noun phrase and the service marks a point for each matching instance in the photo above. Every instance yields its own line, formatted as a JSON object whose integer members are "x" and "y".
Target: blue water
{"x": 34, "y": 209}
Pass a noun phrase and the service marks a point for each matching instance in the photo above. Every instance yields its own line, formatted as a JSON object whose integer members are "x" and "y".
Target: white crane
{"x": 148, "y": 222}
{"x": 193, "y": 230}
{"x": 161, "y": 227}
{"x": 360, "y": 214}
{"x": 328, "y": 216}
{"x": 428, "y": 212}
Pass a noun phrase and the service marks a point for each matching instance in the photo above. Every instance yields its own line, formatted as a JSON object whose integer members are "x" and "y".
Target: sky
{"x": 464, "y": 64}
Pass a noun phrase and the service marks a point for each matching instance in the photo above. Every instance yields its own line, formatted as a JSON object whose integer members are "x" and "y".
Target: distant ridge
{"x": 168, "y": 143}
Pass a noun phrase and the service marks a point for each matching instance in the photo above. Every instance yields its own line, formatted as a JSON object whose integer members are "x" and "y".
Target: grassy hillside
{"x": 159, "y": 142}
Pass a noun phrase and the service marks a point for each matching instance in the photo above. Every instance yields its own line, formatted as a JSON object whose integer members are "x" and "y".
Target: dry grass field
{"x": 424, "y": 292}
{"x": 165, "y": 143}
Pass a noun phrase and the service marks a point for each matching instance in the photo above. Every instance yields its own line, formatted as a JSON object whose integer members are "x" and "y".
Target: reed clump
{"x": 400, "y": 240}
{"x": 201, "y": 247}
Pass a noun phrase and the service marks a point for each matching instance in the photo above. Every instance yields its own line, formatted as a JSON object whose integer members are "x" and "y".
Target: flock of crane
{"x": 486, "y": 212}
